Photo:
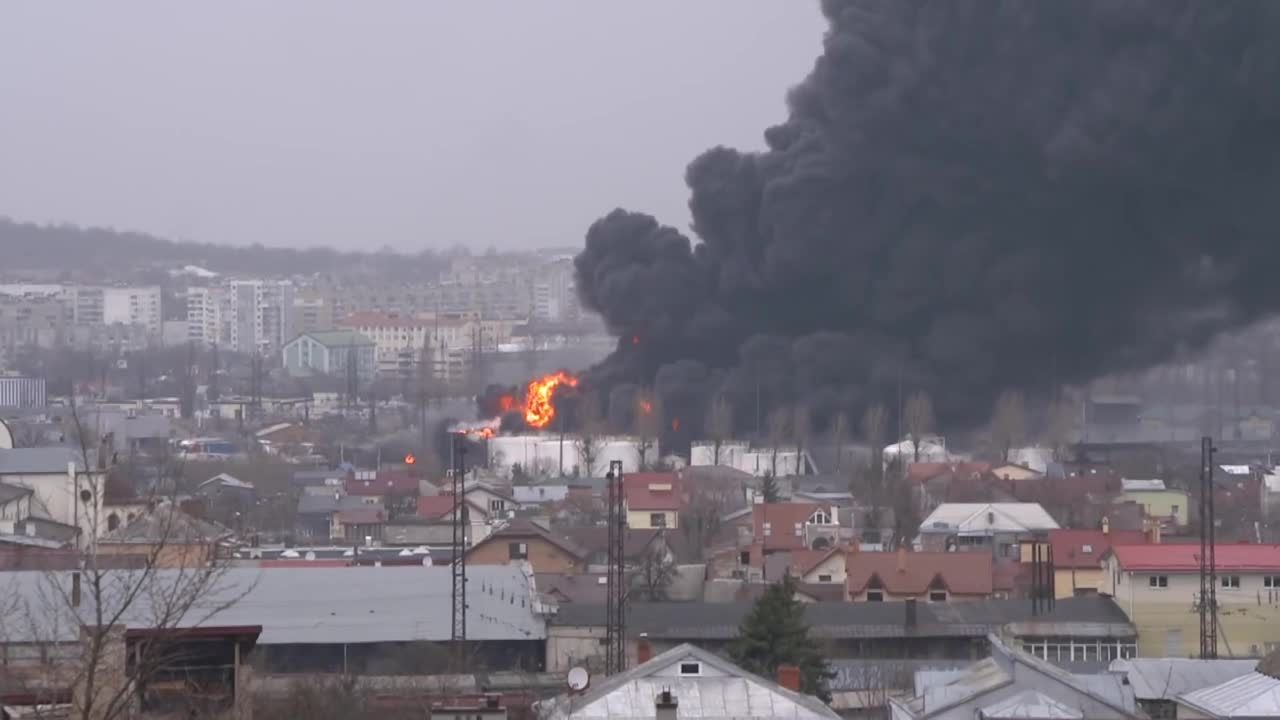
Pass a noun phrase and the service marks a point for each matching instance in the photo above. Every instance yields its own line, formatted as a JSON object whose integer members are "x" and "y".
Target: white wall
{"x": 55, "y": 497}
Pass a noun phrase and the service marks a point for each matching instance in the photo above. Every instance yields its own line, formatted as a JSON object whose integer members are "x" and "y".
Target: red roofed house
{"x": 653, "y": 500}
{"x": 1158, "y": 587}
{"x": 1077, "y": 557}
{"x": 794, "y": 526}
{"x": 396, "y": 492}
{"x": 929, "y": 576}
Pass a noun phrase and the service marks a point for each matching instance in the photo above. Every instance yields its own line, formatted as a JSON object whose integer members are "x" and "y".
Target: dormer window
{"x": 820, "y": 518}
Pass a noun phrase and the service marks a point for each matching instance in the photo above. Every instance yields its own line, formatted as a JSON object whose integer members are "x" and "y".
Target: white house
{"x": 62, "y": 489}
{"x": 686, "y": 682}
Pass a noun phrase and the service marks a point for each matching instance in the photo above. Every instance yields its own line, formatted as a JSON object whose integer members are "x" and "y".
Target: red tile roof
{"x": 961, "y": 573}
{"x": 1085, "y": 548}
{"x": 432, "y": 507}
{"x": 782, "y": 519}
{"x": 386, "y": 483}
{"x": 642, "y": 491}
{"x": 1186, "y": 558}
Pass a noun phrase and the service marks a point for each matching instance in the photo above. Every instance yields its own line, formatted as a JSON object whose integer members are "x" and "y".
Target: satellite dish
{"x": 579, "y": 679}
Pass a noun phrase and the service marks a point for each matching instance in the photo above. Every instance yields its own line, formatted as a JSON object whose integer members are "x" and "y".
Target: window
{"x": 690, "y": 668}
{"x": 824, "y": 578}
{"x": 518, "y": 551}
{"x": 1158, "y": 581}
{"x": 1231, "y": 582}
{"x": 937, "y": 596}
{"x": 1086, "y": 549}
{"x": 497, "y": 505}
{"x": 1174, "y": 510}
{"x": 744, "y": 557}
{"x": 820, "y": 518}
{"x": 657, "y": 520}
{"x": 875, "y": 596}
{"x": 1271, "y": 582}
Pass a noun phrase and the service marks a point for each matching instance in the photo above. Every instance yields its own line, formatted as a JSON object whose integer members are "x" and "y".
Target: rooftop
{"x": 652, "y": 491}
{"x": 336, "y": 338}
{"x": 1129, "y": 485}
{"x": 384, "y": 483}
{"x": 1167, "y": 678}
{"x": 981, "y": 518}
{"x": 1084, "y": 548}
{"x": 1249, "y": 696}
{"x": 167, "y": 523}
{"x": 1186, "y": 557}
{"x": 40, "y": 460}
{"x": 914, "y": 573}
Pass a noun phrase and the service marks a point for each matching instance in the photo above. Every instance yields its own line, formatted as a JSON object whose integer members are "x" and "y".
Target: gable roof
{"x": 1248, "y": 696}
{"x": 1185, "y": 557}
{"x": 9, "y": 493}
{"x": 167, "y": 523}
{"x": 522, "y": 528}
{"x": 227, "y": 481}
{"x": 1080, "y": 549}
{"x": 737, "y": 693}
{"x": 912, "y": 573}
{"x": 1167, "y": 678}
{"x": 1029, "y": 705}
{"x": 363, "y": 515}
{"x": 642, "y": 491}
{"x": 335, "y": 339}
{"x": 781, "y": 519}
{"x": 982, "y": 518}
{"x": 383, "y": 483}
{"x": 434, "y": 506}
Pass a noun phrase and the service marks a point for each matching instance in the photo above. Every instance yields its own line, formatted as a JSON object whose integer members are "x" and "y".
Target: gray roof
{"x": 731, "y": 692}
{"x": 323, "y": 503}
{"x": 1167, "y": 678}
{"x": 41, "y": 460}
{"x": 720, "y": 621}
{"x": 167, "y": 524}
{"x": 310, "y": 605}
{"x": 1249, "y": 696}
{"x": 9, "y": 493}
{"x": 226, "y": 480}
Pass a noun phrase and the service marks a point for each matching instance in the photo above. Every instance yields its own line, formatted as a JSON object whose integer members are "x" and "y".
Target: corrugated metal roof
{"x": 1029, "y": 705}
{"x": 1248, "y": 696}
{"x": 730, "y": 692}
{"x": 312, "y": 605}
{"x": 988, "y": 517}
{"x": 1136, "y": 485}
{"x": 1167, "y": 678}
{"x": 40, "y": 460}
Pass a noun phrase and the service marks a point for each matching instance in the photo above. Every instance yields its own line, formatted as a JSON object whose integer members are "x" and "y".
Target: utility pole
{"x": 458, "y": 564}
{"x": 616, "y": 589}
{"x": 1208, "y": 556}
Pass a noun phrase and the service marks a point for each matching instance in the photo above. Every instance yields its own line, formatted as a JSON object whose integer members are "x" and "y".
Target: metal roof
{"x": 1248, "y": 696}
{"x": 1135, "y": 485}
{"x": 973, "y": 518}
{"x": 1029, "y": 705}
{"x": 1167, "y": 678}
{"x": 726, "y": 692}
{"x": 40, "y": 460}
{"x": 311, "y": 605}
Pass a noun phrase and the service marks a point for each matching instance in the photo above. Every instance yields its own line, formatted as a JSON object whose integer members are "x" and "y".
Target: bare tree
{"x": 648, "y": 423}
{"x": 801, "y": 431}
{"x": 1060, "y": 421}
{"x": 78, "y": 617}
{"x": 710, "y": 499}
{"x": 839, "y": 436}
{"x": 918, "y": 416}
{"x": 590, "y": 431}
{"x": 653, "y": 575}
{"x": 1008, "y": 423}
{"x": 779, "y": 433}
{"x": 719, "y": 425}
{"x": 875, "y": 421}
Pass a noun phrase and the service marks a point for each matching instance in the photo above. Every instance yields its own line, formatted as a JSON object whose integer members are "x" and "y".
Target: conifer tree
{"x": 775, "y": 633}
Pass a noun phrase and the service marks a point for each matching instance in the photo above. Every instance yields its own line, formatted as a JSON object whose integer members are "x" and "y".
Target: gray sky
{"x": 408, "y": 123}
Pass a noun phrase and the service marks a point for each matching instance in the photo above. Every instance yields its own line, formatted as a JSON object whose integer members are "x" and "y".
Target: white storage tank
{"x": 550, "y": 455}
{"x": 508, "y": 450}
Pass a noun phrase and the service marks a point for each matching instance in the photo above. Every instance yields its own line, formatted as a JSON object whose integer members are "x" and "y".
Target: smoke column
{"x": 966, "y": 196}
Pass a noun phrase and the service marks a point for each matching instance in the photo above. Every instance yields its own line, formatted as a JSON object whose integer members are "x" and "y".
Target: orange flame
{"x": 506, "y": 404}
{"x": 675, "y": 425}
{"x": 646, "y": 407}
{"x": 538, "y": 408}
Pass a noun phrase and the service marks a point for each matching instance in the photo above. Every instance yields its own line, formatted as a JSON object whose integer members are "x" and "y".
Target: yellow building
{"x": 1158, "y": 588}
{"x": 1157, "y": 501}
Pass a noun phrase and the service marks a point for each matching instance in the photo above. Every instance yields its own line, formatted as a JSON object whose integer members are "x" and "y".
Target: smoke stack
{"x": 789, "y": 677}
{"x": 665, "y": 705}
{"x": 902, "y": 558}
{"x": 909, "y": 622}
{"x": 75, "y": 589}
{"x": 644, "y": 651}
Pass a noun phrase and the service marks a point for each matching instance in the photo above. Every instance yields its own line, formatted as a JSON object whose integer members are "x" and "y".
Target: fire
{"x": 635, "y": 339}
{"x": 506, "y": 404}
{"x": 538, "y": 408}
{"x": 675, "y": 425}
{"x": 646, "y": 407}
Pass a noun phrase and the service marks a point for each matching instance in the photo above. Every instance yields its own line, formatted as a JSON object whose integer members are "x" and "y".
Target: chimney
{"x": 1106, "y": 526}
{"x": 902, "y": 558}
{"x": 789, "y": 677}
{"x": 664, "y": 706}
{"x": 75, "y": 589}
{"x": 909, "y": 622}
{"x": 644, "y": 651}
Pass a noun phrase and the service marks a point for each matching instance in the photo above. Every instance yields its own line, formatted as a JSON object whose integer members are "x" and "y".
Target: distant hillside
{"x": 75, "y": 250}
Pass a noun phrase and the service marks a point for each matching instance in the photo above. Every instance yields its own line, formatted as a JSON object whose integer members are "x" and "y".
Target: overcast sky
{"x": 407, "y": 123}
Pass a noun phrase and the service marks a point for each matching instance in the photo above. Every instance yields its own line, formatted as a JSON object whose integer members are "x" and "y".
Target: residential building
{"x": 652, "y": 500}
{"x": 1167, "y": 504}
{"x": 521, "y": 541}
{"x": 993, "y": 528}
{"x": 208, "y": 311}
{"x": 1077, "y": 556}
{"x": 317, "y": 515}
{"x": 689, "y": 682}
{"x": 261, "y": 315}
{"x": 224, "y": 487}
{"x": 555, "y": 298}
{"x": 166, "y": 537}
{"x": 312, "y": 312}
{"x": 327, "y": 353}
{"x": 1158, "y": 682}
{"x": 795, "y": 526}
{"x": 33, "y": 321}
{"x": 396, "y": 492}
{"x": 1012, "y": 684}
{"x": 22, "y": 392}
{"x": 926, "y": 576}
{"x": 1158, "y": 588}
{"x": 362, "y": 525}
{"x": 132, "y": 306}
{"x": 64, "y": 490}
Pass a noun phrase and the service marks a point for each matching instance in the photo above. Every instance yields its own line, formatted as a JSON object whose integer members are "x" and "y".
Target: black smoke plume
{"x": 966, "y": 196}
